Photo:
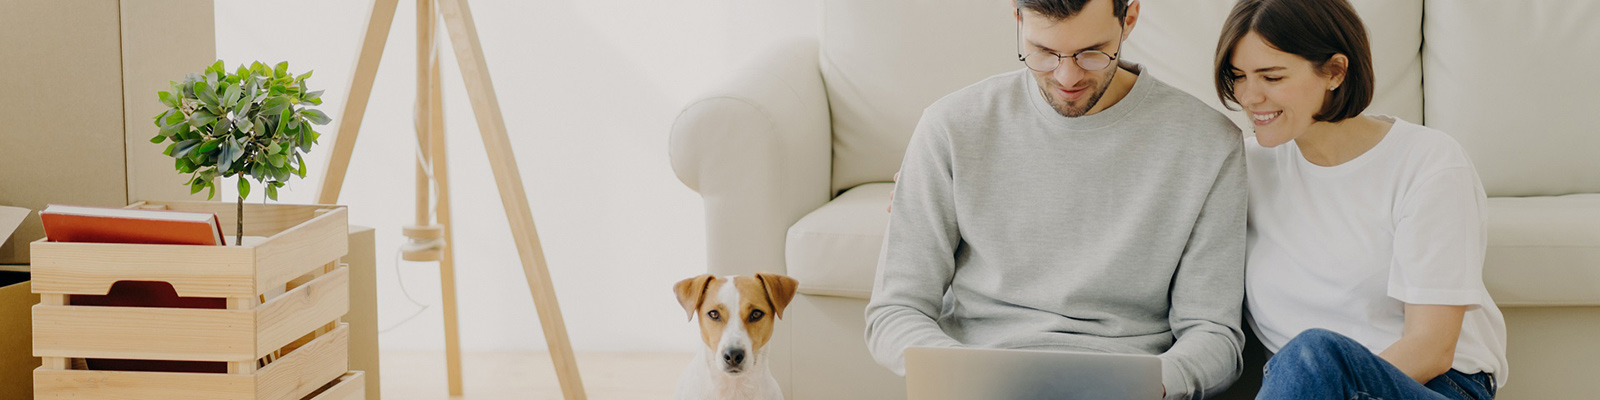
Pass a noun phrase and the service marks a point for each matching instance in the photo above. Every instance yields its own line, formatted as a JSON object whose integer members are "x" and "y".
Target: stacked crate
{"x": 280, "y": 336}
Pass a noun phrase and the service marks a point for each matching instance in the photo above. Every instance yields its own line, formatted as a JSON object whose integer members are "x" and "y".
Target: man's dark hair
{"x": 1063, "y": 9}
{"x": 1315, "y": 30}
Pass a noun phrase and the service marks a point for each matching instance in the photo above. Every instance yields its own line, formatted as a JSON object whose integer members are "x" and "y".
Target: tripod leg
{"x": 486, "y": 109}
{"x": 372, "y": 42}
{"x": 433, "y": 118}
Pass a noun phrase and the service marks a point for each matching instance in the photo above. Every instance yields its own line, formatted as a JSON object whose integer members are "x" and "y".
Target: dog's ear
{"x": 692, "y": 292}
{"x": 780, "y": 290}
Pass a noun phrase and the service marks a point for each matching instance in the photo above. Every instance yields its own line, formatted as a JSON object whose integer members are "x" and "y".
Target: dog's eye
{"x": 715, "y": 316}
{"x": 756, "y": 315}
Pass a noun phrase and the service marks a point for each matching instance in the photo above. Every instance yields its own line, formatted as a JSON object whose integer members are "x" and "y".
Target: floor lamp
{"x": 431, "y": 142}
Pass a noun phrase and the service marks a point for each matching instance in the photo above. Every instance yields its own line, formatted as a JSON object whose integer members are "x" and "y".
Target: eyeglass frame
{"x": 1075, "y": 60}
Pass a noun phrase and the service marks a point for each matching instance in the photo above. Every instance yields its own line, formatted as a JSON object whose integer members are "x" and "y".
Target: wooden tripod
{"x": 431, "y": 141}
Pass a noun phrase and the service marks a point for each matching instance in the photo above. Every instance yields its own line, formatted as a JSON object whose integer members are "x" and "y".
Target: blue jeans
{"x": 1321, "y": 364}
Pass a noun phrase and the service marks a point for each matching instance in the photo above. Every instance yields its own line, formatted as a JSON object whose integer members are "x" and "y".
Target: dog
{"x": 737, "y": 315}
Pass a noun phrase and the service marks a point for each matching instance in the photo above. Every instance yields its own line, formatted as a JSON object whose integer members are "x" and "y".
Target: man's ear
{"x": 1132, "y": 19}
{"x": 692, "y": 292}
{"x": 780, "y": 290}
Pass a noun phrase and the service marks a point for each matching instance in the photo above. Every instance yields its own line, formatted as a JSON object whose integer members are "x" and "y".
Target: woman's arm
{"x": 1427, "y": 345}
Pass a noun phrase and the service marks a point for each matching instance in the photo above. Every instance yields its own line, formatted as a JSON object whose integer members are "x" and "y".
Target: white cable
{"x": 407, "y": 296}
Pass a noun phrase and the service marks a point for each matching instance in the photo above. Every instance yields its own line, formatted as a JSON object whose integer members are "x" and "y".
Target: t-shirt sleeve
{"x": 1439, "y": 241}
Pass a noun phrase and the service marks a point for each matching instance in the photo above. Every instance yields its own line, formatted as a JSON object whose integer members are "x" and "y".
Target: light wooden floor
{"x": 529, "y": 375}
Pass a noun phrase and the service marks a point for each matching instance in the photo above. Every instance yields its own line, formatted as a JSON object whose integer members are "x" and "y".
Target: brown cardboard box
{"x": 16, "y": 337}
{"x": 80, "y": 79}
{"x": 16, "y": 343}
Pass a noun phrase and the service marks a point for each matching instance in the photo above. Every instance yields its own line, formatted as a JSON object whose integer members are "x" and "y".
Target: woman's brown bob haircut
{"x": 1315, "y": 30}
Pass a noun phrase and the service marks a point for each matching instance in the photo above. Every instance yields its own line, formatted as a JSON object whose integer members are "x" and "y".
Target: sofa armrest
{"x": 759, "y": 152}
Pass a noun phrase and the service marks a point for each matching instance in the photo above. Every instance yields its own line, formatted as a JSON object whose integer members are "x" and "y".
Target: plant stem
{"x": 238, "y": 238}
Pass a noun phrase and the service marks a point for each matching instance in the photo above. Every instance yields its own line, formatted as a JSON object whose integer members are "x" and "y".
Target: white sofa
{"x": 793, "y": 154}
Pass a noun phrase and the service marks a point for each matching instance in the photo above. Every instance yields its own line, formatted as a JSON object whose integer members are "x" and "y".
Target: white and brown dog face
{"x": 736, "y": 314}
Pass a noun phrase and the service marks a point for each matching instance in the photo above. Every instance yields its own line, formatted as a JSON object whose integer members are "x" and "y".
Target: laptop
{"x": 942, "y": 373}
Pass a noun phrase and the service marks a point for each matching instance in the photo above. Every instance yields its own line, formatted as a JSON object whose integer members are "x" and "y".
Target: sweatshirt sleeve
{"x": 917, "y": 261}
{"x": 1207, "y": 292}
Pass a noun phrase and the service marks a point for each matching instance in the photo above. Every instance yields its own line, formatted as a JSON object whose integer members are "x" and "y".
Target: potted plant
{"x": 254, "y": 123}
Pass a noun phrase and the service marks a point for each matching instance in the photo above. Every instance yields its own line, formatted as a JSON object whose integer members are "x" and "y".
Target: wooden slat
{"x": 292, "y": 377}
{"x": 375, "y": 36}
{"x": 301, "y": 249}
{"x": 143, "y": 333}
{"x": 82, "y": 384}
{"x": 193, "y": 271}
{"x": 306, "y": 369}
{"x": 351, "y": 386}
{"x": 302, "y": 310}
{"x": 260, "y": 219}
{"x": 492, "y": 126}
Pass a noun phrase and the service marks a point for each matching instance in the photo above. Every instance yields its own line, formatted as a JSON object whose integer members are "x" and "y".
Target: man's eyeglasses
{"x": 1044, "y": 61}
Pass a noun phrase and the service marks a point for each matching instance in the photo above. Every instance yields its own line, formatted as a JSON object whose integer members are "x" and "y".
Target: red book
{"x": 124, "y": 225}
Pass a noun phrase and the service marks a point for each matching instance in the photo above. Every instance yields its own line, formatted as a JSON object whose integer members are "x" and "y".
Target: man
{"x": 1076, "y": 204}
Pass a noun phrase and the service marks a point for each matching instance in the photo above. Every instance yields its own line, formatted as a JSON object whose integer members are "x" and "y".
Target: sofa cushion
{"x": 834, "y": 250}
{"x": 1176, "y": 40}
{"x": 1492, "y": 84}
{"x": 1544, "y": 250}
{"x": 883, "y": 61}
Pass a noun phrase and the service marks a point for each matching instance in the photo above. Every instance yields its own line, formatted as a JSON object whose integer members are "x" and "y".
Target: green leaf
{"x": 201, "y": 119}
{"x": 277, "y": 160}
{"x": 166, "y": 98}
{"x": 210, "y": 145}
{"x": 194, "y": 187}
{"x": 275, "y": 105}
{"x": 213, "y": 192}
{"x": 224, "y": 160}
{"x": 174, "y": 117}
{"x": 316, "y": 117}
{"x": 272, "y": 192}
{"x": 216, "y": 67}
{"x": 182, "y": 148}
{"x": 303, "y": 77}
{"x": 230, "y": 96}
{"x": 183, "y": 165}
{"x": 244, "y": 188}
{"x": 274, "y": 148}
{"x": 235, "y": 151}
{"x": 301, "y": 171}
{"x": 281, "y": 70}
{"x": 158, "y": 139}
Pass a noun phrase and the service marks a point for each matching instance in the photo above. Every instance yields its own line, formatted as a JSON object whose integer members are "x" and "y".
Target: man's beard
{"x": 1067, "y": 109}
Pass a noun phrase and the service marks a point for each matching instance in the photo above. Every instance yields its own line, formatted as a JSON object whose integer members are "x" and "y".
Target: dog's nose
{"x": 733, "y": 357}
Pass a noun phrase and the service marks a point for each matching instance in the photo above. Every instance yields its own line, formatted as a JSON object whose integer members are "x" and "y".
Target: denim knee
{"x": 1315, "y": 347}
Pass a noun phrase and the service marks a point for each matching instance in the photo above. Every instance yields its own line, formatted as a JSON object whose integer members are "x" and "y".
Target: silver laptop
{"x": 940, "y": 373}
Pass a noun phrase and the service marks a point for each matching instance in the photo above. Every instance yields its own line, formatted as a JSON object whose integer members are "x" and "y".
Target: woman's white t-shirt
{"x": 1344, "y": 248}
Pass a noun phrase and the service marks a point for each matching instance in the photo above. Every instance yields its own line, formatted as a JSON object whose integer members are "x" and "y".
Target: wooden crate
{"x": 279, "y": 335}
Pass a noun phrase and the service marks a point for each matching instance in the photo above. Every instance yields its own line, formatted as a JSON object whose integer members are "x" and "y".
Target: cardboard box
{"x": 80, "y": 79}
{"x": 16, "y": 344}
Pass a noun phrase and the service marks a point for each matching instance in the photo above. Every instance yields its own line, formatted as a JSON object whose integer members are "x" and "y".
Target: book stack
{"x": 152, "y": 302}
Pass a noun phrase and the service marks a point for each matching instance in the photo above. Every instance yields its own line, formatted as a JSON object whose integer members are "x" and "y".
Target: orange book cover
{"x": 121, "y": 225}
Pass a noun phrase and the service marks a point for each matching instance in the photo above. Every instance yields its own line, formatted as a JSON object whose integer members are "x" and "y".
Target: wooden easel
{"x": 430, "y": 136}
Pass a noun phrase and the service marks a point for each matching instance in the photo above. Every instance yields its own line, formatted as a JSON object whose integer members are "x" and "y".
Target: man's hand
{"x": 890, "y": 208}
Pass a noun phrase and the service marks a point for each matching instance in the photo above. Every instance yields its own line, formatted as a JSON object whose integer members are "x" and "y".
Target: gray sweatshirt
{"x": 1016, "y": 227}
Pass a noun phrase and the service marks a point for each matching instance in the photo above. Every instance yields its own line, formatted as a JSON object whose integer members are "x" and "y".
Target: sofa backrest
{"x": 1514, "y": 82}
{"x": 883, "y": 61}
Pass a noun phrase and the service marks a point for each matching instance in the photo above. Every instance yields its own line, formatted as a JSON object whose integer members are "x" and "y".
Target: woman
{"x": 1366, "y": 232}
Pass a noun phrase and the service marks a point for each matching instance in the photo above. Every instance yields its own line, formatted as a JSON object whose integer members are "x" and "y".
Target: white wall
{"x": 588, "y": 90}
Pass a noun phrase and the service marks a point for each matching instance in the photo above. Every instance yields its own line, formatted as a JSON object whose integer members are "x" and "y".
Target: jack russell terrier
{"x": 736, "y": 320}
